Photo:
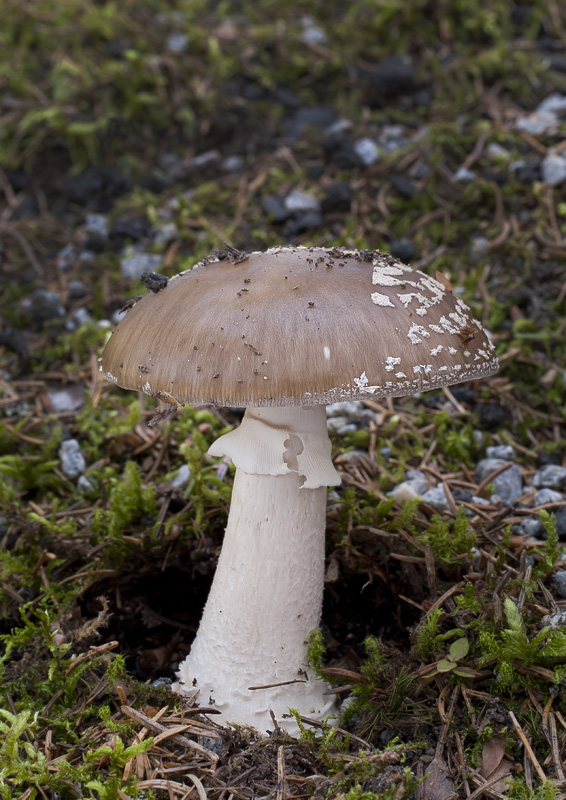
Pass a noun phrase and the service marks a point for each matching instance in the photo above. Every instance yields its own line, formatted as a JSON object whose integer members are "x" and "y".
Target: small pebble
{"x": 177, "y": 43}
{"x": 334, "y": 424}
{"x": 76, "y": 290}
{"x": 351, "y": 427}
{"x": 341, "y": 150}
{"x": 404, "y": 186}
{"x": 436, "y": 498}
{"x": 404, "y": 249}
{"x": 404, "y": 491}
{"x": 337, "y": 197}
{"x": 554, "y": 169}
{"x": 531, "y": 527}
{"x": 411, "y": 474}
{"x": 516, "y": 166}
{"x": 561, "y": 523}
{"x": 69, "y": 398}
{"x": 464, "y": 175}
{"x": 314, "y": 117}
{"x": 77, "y": 319}
{"x": 491, "y": 416}
{"x": 312, "y": 32}
{"x": 46, "y": 305}
{"x": 479, "y": 501}
{"x": 299, "y": 201}
{"x": 87, "y": 258}
{"x": 274, "y": 207}
{"x": 181, "y": 479}
{"x": 395, "y": 75}
{"x": 117, "y": 316}
{"x": 163, "y": 234}
{"x": 420, "y": 485}
{"x": 155, "y": 181}
{"x": 353, "y": 456}
{"x": 131, "y": 229}
{"x": 495, "y": 152}
{"x": 367, "y": 416}
{"x": 233, "y": 163}
{"x": 183, "y": 169}
{"x": 508, "y": 485}
{"x": 333, "y": 501}
{"x": 162, "y": 683}
{"x": 555, "y": 621}
{"x": 349, "y": 408}
{"x": 551, "y": 476}
{"x": 168, "y": 162}
{"x": 97, "y": 223}
{"x": 366, "y": 150}
{"x": 530, "y": 171}
{"x": 504, "y": 451}
{"x": 537, "y": 123}
{"x": 392, "y": 137}
{"x": 408, "y": 490}
{"x": 301, "y": 221}
{"x": 559, "y": 583}
{"x": 72, "y": 460}
{"x": 554, "y": 104}
{"x": 133, "y": 266}
{"x": 66, "y": 257}
{"x": 479, "y": 248}
{"x": 545, "y": 496}
{"x": 478, "y": 438}
{"x": 86, "y": 485}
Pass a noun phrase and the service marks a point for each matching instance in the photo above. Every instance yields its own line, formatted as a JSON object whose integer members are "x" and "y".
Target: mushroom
{"x": 282, "y": 333}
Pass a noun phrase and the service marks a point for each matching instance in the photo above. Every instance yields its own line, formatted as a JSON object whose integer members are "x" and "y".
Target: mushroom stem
{"x": 266, "y": 597}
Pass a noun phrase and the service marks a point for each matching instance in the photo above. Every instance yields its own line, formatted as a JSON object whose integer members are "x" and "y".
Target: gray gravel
{"x": 551, "y": 476}
{"x": 559, "y": 583}
{"x": 554, "y": 169}
{"x": 508, "y": 485}
{"x": 181, "y": 479}
{"x": 73, "y": 462}
{"x": 133, "y": 265}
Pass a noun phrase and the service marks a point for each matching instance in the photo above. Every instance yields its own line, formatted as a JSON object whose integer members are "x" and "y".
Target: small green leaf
{"x": 432, "y": 673}
{"x": 466, "y": 672}
{"x": 445, "y": 666}
{"x": 459, "y": 649}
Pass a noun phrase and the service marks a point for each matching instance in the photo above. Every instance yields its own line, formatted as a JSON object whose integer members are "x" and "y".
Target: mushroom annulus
{"x": 282, "y": 333}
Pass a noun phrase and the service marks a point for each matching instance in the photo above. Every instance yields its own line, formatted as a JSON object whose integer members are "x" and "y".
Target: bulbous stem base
{"x": 249, "y": 657}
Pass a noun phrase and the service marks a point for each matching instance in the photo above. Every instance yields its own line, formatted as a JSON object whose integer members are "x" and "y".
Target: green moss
{"x": 518, "y": 790}
{"x": 428, "y": 639}
{"x": 551, "y": 551}
{"x": 30, "y": 473}
{"x": 514, "y": 645}
{"x": 107, "y": 421}
{"x": 405, "y": 789}
{"x": 70, "y": 347}
{"x": 450, "y": 539}
{"x": 205, "y": 488}
{"x": 468, "y": 600}
{"x": 129, "y": 502}
{"x": 52, "y": 679}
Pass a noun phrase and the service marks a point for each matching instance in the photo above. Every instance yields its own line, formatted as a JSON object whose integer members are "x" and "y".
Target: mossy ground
{"x": 431, "y": 624}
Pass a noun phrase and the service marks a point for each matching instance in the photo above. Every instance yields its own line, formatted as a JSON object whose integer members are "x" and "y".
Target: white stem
{"x": 266, "y": 597}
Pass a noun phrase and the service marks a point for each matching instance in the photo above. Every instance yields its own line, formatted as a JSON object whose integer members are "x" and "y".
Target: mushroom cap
{"x": 296, "y": 326}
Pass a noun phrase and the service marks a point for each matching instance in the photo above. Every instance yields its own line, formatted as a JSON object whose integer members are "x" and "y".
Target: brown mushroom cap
{"x": 297, "y": 325}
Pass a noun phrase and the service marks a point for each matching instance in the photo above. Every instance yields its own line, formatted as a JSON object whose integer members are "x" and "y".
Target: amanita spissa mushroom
{"x": 282, "y": 333}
